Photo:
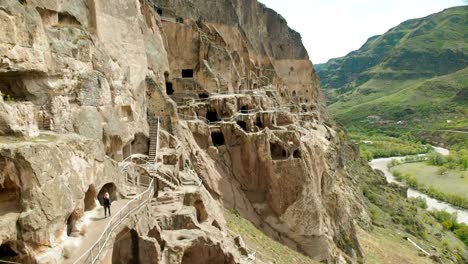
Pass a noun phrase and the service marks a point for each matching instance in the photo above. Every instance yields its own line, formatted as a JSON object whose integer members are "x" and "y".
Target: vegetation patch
{"x": 267, "y": 249}
{"x": 373, "y": 146}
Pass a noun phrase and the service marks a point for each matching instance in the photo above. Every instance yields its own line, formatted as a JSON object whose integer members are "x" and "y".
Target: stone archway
{"x": 111, "y": 188}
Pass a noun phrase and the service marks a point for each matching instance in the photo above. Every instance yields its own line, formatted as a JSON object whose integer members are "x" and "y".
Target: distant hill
{"x": 414, "y": 76}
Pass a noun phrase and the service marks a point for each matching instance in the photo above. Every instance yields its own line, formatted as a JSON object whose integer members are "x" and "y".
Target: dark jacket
{"x": 107, "y": 201}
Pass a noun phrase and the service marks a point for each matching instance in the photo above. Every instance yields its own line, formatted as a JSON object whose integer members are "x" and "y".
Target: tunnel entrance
{"x": 90, "y": 198}
{"x": 277, "y": 152}
{"x": 6, "y": 252}
{"x": 242, "y": 124}
{"x": 111, "y": 188}
{"x": 187, "y": 73}
{"x": 297, "y": 154}
{"x": 203, "y": 96}
{"x": 217, "y": 138}
{"x": 212, "y": 116}
{"x": 169, "y": 88}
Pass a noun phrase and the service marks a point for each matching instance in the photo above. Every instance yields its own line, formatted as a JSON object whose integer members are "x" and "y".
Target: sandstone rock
{"x": 92, "y": 75}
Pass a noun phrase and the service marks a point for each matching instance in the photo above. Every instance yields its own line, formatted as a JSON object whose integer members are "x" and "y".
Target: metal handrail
{"x": 116, "y": 220}
{"x": 122, "y": 214}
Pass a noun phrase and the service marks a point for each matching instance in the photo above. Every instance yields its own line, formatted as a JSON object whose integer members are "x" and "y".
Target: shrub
{"x": 419, "y": 202}
{"x": 442, "y": 171}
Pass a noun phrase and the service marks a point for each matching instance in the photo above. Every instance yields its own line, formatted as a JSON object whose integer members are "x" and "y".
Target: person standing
{"x": 107, "y": 204}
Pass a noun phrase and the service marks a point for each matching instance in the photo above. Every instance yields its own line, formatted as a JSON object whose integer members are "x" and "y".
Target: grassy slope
{"x": 383, "y": 246}
{"x": 268, "y": 250}
{"x": 451, "y": 182}
{"x": 416, "y": 72}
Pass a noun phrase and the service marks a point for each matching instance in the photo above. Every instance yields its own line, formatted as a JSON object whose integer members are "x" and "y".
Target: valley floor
{"x": 451, "y": 182}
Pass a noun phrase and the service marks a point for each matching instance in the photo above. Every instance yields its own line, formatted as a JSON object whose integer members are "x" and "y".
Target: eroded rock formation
{"x": 240, "y": 110}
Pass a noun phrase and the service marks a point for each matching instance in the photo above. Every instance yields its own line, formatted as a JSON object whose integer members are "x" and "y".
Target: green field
{"x": 452, "y": 182}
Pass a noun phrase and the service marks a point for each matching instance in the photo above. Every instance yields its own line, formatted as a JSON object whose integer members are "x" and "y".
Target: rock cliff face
{"x": 240, "y": 111}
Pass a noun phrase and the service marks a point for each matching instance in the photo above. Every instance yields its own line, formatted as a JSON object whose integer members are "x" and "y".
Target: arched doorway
{"x": 111, "y": 188}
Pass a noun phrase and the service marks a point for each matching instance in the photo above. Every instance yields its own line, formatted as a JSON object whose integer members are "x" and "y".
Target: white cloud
{"x": 333, "y": 28}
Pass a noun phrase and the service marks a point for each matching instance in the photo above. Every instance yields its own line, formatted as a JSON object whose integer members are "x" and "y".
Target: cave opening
{"x": 202, "y": 215}
{"x": 258, "y": 122}
{"x": 169, "y": 88}
{"x": 126, "y": 248}
{"x": 212, "y": 116}
{"x": 217, "y": 138}
{"x": 9, "y": 194}
{"x": 180, "y": 20}
{"x": 277, "y": 152}
{"x": 90, "y": 198}
{"x": 71, "y": 222}
{"x": 203, "y": 96}
{"x": 297, "y": 154}
{"x": 159, "y": 11}
{"x": 244, "y": 109}
{"x": 187, "y": 73}
{"x": 6, "y": 252}
{"x": 294, "y": 93}
{"x": 13, "y": 89}
{"x": 140, "y": 144}
{"x": 111, "y": 188}
{"x": 242, "y": 124}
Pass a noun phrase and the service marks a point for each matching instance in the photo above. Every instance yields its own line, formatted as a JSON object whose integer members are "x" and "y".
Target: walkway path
{"x": 94, "y": 229}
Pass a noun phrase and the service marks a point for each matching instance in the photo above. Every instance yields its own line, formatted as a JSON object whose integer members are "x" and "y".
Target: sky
{"x": 333, "y": 28}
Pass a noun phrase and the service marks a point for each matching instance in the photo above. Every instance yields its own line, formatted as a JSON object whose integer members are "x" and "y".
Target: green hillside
{"x": 412, "y": 79}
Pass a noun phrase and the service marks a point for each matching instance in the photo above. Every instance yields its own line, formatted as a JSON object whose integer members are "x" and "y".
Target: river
{"x": 432, "y": 204}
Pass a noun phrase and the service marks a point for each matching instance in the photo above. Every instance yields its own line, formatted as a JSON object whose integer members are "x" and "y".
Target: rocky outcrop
{"x": 240, "y": 110}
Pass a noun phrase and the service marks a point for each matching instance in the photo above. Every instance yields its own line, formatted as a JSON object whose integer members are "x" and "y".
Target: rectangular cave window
{"x": 217, "y": 138}
{"x": 187, "y": 73}
{"x": 13, "y": 89}
{"x": 203, "y": 96}
{"x": 277, "y": 152}
{"x": 212, "y": 116}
